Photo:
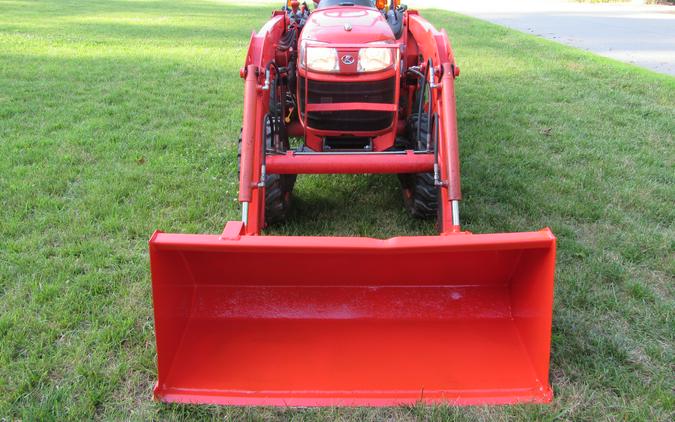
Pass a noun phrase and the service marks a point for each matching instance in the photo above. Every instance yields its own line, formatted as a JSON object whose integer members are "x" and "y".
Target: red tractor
{"x": 360, "y": 86}
{"x": 246, "y": 319}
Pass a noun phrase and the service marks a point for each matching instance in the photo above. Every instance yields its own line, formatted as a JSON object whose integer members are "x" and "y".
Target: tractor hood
{"x": 349, "y": 25}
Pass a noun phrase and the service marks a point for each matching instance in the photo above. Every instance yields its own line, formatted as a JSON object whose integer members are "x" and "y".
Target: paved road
{"x": 631, "y": 32}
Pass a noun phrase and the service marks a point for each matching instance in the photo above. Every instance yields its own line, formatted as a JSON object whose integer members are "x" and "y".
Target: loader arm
{"x": 257, "y": 70}
{"x": 434, "y": 48}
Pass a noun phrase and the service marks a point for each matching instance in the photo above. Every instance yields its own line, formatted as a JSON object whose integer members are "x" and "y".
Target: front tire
{"x": 278, "y": 192}
{"x": 420, "y": 193}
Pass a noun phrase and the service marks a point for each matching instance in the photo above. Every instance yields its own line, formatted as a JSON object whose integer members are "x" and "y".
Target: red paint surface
{"x": 327, "y": 25}
{"x": 353, "y": 321}
{"x": 248, "y": 136}
{"x": 351, "y": 106}
{"x": 335, "y": 163}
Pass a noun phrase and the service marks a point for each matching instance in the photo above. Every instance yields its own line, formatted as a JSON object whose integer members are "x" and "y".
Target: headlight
{"x": 322, "y": 59}
{"x": 372, "y": 59}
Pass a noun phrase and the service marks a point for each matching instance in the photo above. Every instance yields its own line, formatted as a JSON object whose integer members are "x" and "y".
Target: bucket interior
{"x": 376, "y": 323}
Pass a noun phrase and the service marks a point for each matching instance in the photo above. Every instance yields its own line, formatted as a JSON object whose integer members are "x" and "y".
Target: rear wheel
{"x": 420, "y": 193}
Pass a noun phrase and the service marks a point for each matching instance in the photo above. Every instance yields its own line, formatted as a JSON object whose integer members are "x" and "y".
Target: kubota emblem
{"x": 347, "y": 59}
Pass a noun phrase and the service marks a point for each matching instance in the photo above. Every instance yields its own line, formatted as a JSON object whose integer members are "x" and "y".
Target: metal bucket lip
{"x": 535, "y": 395}
{"x": 404, "y": 244}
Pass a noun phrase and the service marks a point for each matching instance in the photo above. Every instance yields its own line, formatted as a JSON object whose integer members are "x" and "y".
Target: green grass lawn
{"x": 121, "y": 117}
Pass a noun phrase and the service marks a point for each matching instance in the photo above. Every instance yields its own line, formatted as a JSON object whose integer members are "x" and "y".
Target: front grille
{"x": 350, "y": 120}
{"x": 321, "y": 92}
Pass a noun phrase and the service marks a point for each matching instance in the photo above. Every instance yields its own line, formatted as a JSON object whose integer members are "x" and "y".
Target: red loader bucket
{"x": 313, "y": 321}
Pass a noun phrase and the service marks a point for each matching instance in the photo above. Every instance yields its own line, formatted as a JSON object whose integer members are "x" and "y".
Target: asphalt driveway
{"x": 631, "y": 32}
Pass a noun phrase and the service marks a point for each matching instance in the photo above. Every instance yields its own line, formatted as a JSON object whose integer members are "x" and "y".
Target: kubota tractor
{"x": 247, "y": 319}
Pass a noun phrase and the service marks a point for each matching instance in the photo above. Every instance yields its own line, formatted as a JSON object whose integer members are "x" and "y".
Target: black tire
{"x": 420, "y": 194}
{"x": 278, "y": 190}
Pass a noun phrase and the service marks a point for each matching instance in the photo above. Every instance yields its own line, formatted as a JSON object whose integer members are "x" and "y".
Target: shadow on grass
{"x": 350, "y": 205}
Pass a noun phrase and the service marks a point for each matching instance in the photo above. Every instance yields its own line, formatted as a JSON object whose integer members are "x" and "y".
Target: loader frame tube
{"x": 336, "y": 163}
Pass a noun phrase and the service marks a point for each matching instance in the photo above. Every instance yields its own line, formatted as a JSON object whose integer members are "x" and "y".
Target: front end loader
{"x": 247, "y": 319}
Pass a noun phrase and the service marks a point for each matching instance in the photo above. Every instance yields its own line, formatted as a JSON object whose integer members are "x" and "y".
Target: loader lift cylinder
{"x": 248, "y": 139}
{"x": 449, "y": 117}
